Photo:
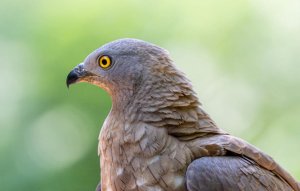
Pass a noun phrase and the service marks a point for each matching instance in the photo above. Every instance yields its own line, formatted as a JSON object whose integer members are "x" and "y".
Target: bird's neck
{"x": 166, "y": 103}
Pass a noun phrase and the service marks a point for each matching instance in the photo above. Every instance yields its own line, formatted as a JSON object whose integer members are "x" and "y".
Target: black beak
{"x": 76, "y": 74}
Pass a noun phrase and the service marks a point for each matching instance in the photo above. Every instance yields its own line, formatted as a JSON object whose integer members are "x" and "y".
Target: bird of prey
{"x": 158, "y": 137}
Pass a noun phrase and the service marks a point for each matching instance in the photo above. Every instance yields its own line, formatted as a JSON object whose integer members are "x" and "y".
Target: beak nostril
{"x": 80, "y": 68}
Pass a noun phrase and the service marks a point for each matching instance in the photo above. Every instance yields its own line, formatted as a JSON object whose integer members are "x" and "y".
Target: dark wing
{"x": 231, "y": 173}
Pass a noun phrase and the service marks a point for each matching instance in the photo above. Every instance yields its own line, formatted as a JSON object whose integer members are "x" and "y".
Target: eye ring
{"x": 104, "y": 61}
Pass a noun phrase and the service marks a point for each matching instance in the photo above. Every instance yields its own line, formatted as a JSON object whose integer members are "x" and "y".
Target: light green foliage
{"x": 242, "y": 57}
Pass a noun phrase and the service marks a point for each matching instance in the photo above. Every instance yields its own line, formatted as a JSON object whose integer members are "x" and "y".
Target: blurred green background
{"x": 242, "y": 57}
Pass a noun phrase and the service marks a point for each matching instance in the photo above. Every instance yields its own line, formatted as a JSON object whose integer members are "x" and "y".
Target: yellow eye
{"x": 104, "y": 62}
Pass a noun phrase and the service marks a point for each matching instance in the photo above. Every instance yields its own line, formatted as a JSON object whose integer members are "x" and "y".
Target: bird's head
{"x": 119, "y": 65}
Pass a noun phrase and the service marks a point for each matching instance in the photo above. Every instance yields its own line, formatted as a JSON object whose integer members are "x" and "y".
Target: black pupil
{"x": 104, "y": 61}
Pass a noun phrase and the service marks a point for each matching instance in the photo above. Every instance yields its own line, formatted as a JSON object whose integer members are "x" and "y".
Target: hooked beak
{"x": 76, "y": 75}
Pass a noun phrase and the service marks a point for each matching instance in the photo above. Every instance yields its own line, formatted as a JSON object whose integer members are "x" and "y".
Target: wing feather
{"x": 231, "y": 173}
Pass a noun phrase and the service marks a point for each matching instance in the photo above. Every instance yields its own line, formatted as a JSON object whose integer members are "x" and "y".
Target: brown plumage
{"x": 157, "y": 136}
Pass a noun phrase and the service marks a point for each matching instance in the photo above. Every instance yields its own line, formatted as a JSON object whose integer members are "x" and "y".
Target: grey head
{"x": 130, "y": 67}
{"x": 126, "y": 64}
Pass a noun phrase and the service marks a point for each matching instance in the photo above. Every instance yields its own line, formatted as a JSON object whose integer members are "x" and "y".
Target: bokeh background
{"x": 242, "y": 57}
